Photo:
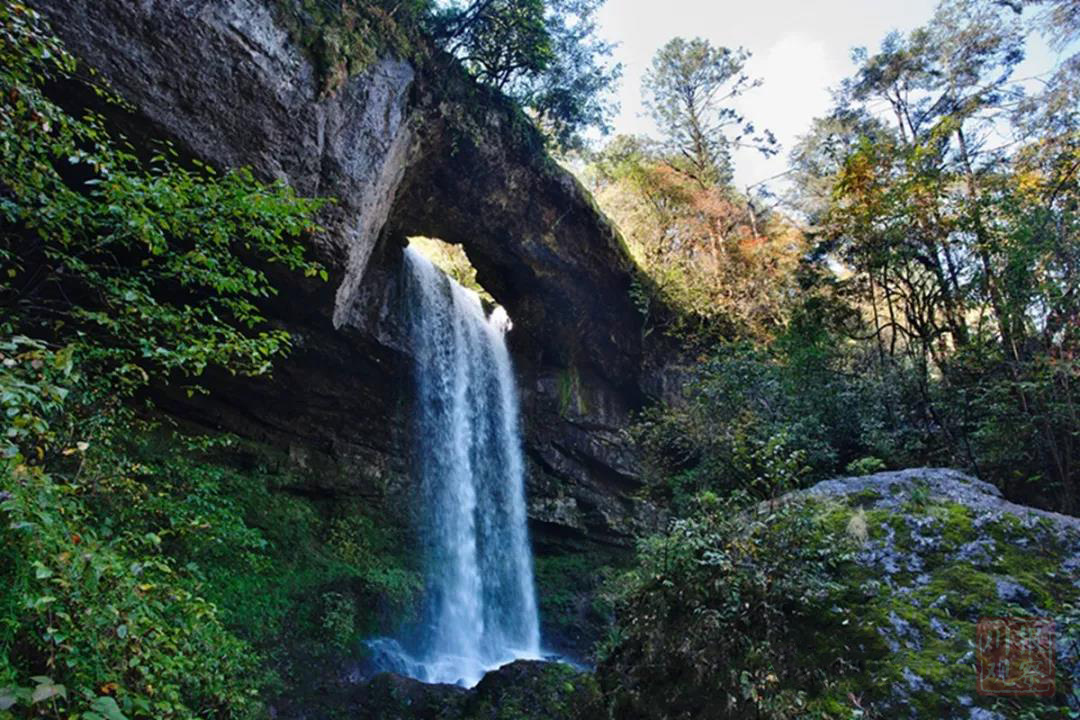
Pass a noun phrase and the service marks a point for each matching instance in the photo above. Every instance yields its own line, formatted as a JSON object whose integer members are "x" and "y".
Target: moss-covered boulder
{"x": 859, "y": 597}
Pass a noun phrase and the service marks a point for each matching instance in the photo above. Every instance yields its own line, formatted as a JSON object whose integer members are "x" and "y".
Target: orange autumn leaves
{"x": 723, "y": 261}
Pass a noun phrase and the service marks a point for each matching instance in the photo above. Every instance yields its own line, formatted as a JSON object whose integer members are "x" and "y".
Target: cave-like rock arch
{"x": 405, "y": 149}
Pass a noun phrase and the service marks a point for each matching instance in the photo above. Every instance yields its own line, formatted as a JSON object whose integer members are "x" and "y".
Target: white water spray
{"x": 480, "y": 609}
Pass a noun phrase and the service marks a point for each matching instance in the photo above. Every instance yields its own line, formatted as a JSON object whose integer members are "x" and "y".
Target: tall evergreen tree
{"x": 688, "y": 90}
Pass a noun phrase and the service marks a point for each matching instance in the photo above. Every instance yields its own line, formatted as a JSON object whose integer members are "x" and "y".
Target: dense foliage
{"x": 145, "y": 574}
{"x": 345, "y": 38}
{"x": 715, "y": 620}
{"x": 927, "y": 311}
{"x": 962, "y": 252}
{"x": 725, "y": 264}
{"x": 145, "y": 266}
{"x": 925, "y": 314}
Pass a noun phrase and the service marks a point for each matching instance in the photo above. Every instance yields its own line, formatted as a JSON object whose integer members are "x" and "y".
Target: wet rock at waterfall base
{"x": 394, "y": 697}
{"x": 523, "y": 690}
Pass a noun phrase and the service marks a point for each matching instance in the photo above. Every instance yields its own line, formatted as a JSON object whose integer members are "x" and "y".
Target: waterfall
{"x": 480, "y": 605}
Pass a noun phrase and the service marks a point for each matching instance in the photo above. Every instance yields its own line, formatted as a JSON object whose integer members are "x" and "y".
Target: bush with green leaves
{"x": 865, "y": 466}
{"x": 109, "y": 616}
{"x": 741, "y": 426}
{"x": 733, "y": 431}
{"x": 1017, "y": 422}
{"x": 766, "y": 418}
{"x": 120, "y": 274}
{"x": 98, "y": 615}
{"x": 149, "y": 268}
{"x": 716, "y": 619}
{"x": 344, "y": 38}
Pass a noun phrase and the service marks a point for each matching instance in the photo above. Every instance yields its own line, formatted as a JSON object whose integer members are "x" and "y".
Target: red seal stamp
{"x": 1015, "y": 656}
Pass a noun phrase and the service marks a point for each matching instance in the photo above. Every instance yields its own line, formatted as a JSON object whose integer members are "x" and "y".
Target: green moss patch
{"x": 343, "y": 38}
{"x": 574, "y": 612}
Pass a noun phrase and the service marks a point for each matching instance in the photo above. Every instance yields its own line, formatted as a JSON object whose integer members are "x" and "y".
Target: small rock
{"x": 915, "y": 683}
{"x": 941, "y": 629}
{"x": 905, "y": 631}
{"x": 1011, "y": 591}
{"x": 979, "y": 552}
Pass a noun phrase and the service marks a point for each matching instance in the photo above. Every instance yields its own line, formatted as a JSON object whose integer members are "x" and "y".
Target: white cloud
{"x": 797, "y": 73}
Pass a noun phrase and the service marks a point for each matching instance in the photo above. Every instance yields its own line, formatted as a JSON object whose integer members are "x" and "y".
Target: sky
{"x": 800, "y": 49}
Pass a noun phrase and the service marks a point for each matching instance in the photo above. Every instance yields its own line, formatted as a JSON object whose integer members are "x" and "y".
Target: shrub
{"x": 864, "y": 466}
{"x": 119, "y": 275}
{"x": 713, "y": 622}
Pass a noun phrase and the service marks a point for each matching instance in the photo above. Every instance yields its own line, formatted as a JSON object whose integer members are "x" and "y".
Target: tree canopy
{"x": 688, "y": 89}
{"x": 543, "y": 53}
{"x": 948, "y": 192}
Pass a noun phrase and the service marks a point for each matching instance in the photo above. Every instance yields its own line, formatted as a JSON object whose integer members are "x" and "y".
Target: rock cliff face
{"x": 405, "y": 148}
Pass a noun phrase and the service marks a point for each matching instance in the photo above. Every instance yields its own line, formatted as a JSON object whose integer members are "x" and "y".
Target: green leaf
{"x": 63, "y": 359}
{"x": 107, "y": 708}
{"x": 47, "y": 692}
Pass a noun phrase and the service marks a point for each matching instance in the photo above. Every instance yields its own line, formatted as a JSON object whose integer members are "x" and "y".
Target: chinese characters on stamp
{"x": 1015, "y": 656}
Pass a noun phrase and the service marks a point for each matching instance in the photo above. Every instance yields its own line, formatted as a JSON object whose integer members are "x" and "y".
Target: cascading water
{"x": 480, "y": 608}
